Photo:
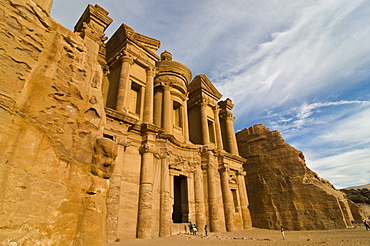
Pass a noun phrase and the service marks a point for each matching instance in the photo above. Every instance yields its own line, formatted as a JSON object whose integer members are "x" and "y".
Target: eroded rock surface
{"x": 282, "y": 190}
{"x": 361, "y": 197}
{"x": 48, "y": 127}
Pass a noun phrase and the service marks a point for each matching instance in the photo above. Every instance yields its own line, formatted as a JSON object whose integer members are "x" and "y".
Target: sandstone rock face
{"x": 51, "y": 113}
{"x": 282, "y": 190}
{"x": 361, "y": 197}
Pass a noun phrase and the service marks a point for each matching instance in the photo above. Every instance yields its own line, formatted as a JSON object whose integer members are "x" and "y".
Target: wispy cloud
{"x": 296, "y": 118}
{"x": 334, "y": 137}
{"x": 345, "y": 169}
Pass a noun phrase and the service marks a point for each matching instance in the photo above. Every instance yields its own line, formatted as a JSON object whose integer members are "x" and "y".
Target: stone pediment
{"x": 125, "y": 33}
{"x": 201, "y": 84}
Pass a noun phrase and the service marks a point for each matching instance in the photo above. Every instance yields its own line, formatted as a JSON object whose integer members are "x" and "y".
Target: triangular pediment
{"x": 203, "y": 85}
{"x": 125, "y": 33}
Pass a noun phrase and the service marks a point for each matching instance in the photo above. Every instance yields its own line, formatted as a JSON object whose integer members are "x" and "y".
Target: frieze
{"x": 182, "y": 164}
{"x": 162, "y": 153}
{"x": 123, "y": 141}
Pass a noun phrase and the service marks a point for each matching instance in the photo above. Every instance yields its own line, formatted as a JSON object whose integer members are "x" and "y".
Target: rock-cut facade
{"x": 177, "y": 159}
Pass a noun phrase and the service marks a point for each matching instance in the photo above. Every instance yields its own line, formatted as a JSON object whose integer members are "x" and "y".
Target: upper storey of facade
{"x": 144, "y": 88}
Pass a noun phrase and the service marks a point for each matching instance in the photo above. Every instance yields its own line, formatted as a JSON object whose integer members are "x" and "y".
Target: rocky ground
{"x": 347, "y": 237}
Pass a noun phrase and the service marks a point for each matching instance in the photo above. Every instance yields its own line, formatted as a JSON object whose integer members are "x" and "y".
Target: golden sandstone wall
{"x": 283, "y": 191}
{"x": 51, "y": 113}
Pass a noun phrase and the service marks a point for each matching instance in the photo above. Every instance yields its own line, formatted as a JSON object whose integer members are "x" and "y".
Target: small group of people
{"x": 193, "y": 229}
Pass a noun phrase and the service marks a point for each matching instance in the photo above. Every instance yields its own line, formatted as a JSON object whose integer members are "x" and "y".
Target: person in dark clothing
{"x": 366, "y": 224}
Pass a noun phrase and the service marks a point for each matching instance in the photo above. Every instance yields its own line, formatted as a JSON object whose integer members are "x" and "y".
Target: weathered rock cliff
{"x": 360, "y": 195}
{"x": 51, "y": 113}
{"x": 282, "y": 190}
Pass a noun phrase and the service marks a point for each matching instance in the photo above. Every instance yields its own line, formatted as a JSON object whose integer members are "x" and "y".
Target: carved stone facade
{"x": 175, "y": 169}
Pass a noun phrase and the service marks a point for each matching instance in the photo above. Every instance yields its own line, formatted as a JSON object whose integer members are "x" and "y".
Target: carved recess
{"x": 105, "y": 153}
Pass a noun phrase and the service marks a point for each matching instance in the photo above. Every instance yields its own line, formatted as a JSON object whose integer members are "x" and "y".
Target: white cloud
{"x": 346, "y": 169}
{"x": 316, "y": 55}
{"x": 334, "y": 137}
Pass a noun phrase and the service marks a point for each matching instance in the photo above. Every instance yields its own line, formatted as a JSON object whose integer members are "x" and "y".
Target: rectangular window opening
{"x": 134, "y": 103}
{"x": 235, "y": 198}
{"x": 177, "y": 119}
{"x": 211, "y": 131}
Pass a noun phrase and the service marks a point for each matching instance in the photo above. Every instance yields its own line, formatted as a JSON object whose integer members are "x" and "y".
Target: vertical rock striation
{"x": 282, "y": 190}
{"x": 51, "y": 113}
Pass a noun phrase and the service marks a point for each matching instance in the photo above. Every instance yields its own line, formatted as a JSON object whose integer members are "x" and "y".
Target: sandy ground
{"x": 345, "y": 237}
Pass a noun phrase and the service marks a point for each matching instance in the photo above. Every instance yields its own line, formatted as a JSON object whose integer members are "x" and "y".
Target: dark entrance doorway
{"x": 180, "y": 206}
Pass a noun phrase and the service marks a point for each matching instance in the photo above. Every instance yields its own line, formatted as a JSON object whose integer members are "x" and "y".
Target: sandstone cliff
{"x": 282, "y": 190}
{"x": 360, "y": 195}
{"x": 51, "y": 113}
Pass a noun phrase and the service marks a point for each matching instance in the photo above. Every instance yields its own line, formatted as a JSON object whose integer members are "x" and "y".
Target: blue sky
{"x": 301, "y": 67}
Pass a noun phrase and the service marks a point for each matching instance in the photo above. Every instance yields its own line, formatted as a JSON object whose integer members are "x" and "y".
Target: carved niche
{"x": 105, "y": 153}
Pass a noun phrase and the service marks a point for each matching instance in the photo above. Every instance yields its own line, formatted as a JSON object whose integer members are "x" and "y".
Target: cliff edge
{"x": 283, "y": 191}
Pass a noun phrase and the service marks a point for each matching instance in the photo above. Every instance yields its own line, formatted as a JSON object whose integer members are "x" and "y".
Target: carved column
{"x": 219, "y": 143}
{"x": 167, "y": 109}
{"x": 213, "y": 202}
{"x": 149, "y": 94}
{"x": 228, "y": 118}
{"x": 227, "y": 197}
{"x": 244, "y": 203}
{"x": 144, "y": 220}
{"x": 185, "y": 121}
{"x": 231, "y": 134}
{"x": 158, "y": 107}
{"x": 199, "y": 198}
{"x": 203, "y": 119}
{"x": 165, "y": 191}
{"x": 124, "y": 83}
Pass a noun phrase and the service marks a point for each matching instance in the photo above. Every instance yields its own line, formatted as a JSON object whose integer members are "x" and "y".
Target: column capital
{"x": 148, "y": 148}
{"x": 227, "y": 114}
{"x": 223, "y": 167}
{"x": 123, "y": 141}
{"x": 241, "y": 172}
{"x": 150, "y": 71}
{"x": 162, "y": 153}
{"x": 166, "y": 86}
{"x": 125, "y": 57}
{"x": 216, "y": 109}
{"x": 202, "y": 102}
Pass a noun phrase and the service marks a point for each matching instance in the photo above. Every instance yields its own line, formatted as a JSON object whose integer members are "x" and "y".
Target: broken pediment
{"x": 201, "y": 84}
{"x": 126, "y": 34}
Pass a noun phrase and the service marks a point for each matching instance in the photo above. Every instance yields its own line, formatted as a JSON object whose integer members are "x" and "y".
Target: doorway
{"x": 180, "y": 206}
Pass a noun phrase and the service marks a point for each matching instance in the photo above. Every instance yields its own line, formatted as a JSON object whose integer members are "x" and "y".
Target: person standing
{"x": 206, "y": 229}
{"x": 191, "y": 228}
{"x": 282, "y": 232}
{"x": 195, "y": 229}
{"x": 366, "y": 224}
